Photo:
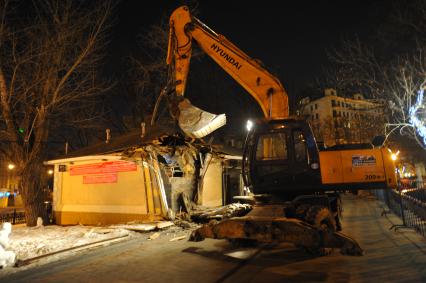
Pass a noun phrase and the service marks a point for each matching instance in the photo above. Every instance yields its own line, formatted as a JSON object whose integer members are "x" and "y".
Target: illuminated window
{"x": 272, "y": 147}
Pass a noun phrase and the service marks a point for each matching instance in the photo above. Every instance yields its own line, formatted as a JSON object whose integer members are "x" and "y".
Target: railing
{"x": 409, "y": 203}
{"x": 14, "y": 216}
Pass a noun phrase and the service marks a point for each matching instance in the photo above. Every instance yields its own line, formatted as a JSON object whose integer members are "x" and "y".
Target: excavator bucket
{"x": 277, "y": 230}
{"x": 197, "y": 123}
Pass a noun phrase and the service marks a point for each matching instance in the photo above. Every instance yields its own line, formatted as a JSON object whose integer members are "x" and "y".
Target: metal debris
{"x": 164, "y": 224}
{"x": 154, "y": 236}
{"x": 177, "y": 238}
{"x": 137, "y": 227}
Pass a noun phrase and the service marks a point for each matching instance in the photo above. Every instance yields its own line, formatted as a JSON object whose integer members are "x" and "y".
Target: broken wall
{"x": 179, "y": 165}
{"x": 211, "y": 183}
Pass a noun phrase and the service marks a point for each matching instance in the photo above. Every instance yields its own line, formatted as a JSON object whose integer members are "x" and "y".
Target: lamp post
{"x": 249, "y": 127}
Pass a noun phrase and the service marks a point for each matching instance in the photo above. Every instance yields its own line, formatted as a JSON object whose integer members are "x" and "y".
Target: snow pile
{"x": 6, "y": 257}
{"x": 29, "y": 242}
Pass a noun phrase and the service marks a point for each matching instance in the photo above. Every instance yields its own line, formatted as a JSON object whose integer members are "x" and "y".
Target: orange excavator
{"x": 295, "y": 186}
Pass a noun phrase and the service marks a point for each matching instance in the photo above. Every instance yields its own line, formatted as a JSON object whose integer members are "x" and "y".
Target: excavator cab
{"x": 281, "y": 158}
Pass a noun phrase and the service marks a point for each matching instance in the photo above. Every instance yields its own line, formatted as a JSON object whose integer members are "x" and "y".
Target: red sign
{"x": 100, "y": 179}
{"x": 103, "y": 167}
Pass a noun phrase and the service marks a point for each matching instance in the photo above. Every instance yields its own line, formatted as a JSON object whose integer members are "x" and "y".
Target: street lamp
{"x": 10, "y": 166}
{"x": 249, "y": 125}
{"x": 394, "y": 156}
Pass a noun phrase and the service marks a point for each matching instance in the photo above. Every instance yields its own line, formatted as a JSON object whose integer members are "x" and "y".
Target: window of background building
{"x": 334, "y": 113}
{"x": 333, "y": 103}
{"x": 316, "y": 106}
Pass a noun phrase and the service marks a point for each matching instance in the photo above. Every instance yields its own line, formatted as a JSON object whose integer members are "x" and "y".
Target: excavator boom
{"x": 265, "y": 88}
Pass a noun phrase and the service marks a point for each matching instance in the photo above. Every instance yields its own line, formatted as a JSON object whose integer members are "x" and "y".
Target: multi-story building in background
{"x": 342, "y": 120}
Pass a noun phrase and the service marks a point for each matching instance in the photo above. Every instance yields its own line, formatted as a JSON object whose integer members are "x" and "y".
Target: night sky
{"x": 290, "y": 37}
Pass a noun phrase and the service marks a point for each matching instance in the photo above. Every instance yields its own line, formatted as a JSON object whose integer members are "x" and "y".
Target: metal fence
{"x": 409, "y": 203}
{"x": 14, "y": 216}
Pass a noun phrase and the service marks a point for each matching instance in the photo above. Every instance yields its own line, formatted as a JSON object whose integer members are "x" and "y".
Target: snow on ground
{"x": 29, "y": 242}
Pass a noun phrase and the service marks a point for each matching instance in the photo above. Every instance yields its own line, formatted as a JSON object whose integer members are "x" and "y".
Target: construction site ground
{"x": 389, "y": 256}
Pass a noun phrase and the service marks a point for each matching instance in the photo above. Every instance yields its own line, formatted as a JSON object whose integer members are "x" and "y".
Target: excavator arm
{"x": 265, "y": 88}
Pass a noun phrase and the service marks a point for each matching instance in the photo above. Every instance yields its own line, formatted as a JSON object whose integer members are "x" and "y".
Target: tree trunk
{"x": 33, "y": 211}
{"x": 32, "y": 193}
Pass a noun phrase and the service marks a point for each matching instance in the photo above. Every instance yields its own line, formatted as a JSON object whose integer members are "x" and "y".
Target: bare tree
{"x": 48, "y": 72}
{"x": 396, "y": 83}
{"x": 149, "y": 74}
{"x": 381, "y": 70}
{"x": 404, "y": 86}
{"x": 356, "y": 69}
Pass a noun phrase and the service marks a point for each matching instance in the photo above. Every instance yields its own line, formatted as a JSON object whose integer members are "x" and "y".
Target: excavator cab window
{"x": 271, "y": 156}
{"x": 272, "y": 147}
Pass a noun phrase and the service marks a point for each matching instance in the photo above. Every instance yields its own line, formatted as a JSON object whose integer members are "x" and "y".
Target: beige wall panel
{"x": 212, "y": 184}
{"x": 125, "y": 197}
